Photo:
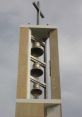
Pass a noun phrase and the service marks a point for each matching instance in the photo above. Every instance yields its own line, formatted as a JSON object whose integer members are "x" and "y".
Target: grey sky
{"x": 67, "y": 15}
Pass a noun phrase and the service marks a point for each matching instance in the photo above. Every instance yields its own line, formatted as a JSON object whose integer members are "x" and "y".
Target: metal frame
{"x": 35, "y": 39}
{"x": 43, "y": 64}
{"x": 36, "y": 60}
{"x": 37, "y": 81}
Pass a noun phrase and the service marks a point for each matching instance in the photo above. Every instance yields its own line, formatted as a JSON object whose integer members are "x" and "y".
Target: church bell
{"x": 36, "y": 71}
{"x": 36, "y": 91}
{"x": 37, "y": 50}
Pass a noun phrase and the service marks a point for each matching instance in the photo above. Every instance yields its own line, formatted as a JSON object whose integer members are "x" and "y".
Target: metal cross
{"x": 39, "y": 13}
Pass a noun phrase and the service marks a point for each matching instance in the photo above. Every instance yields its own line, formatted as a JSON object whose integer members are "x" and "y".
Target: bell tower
{"x": 38, "y": 84}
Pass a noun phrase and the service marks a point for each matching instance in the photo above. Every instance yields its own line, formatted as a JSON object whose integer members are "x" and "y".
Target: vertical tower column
{"x": 55, "y": 75}
{"x": 54, "y": 58}
{"x": 24, "y": 64}
{"x": 23, "y": 82}
{"x": 31, "y": 74}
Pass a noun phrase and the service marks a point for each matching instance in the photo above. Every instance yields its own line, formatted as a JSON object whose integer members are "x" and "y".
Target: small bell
{"x": 36, "y": 91}
{"x": 37, "y": 50}
{"x": 36, "y": 71}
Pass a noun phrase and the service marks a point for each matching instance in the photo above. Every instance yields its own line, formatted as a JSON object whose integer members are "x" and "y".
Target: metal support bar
{"x": 36, "y": 60}
{"x": 37, "y": 81}
{"x": 45, "y": 91}
{"x": 34, "y": 39}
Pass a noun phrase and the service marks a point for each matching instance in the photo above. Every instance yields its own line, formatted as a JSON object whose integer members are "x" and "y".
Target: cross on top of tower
{"x": 39, "y": 13}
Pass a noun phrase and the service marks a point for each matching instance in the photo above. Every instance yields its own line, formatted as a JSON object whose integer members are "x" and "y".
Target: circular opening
{"x": 36, "y": 51}
{"x": 36, "y": 72}
{"x": 36, "y": 92}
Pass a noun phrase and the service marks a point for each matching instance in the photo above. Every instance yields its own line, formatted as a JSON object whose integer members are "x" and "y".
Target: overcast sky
{"x": 67, "y": 15}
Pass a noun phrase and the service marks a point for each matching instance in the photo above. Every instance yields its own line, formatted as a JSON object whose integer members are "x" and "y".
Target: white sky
{"x": 67, "y": 15}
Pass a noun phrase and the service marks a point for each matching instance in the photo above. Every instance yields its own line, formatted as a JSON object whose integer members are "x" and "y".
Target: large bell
{"x": 36, "y": 91}
{"x": 36, "y": 71}
{"x": 37, "y": 50}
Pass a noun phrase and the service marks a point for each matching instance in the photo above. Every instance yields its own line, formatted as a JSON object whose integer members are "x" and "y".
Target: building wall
{"x": 23, "y": 82}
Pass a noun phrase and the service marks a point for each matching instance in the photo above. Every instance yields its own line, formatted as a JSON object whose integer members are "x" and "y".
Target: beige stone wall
{"x": 23, "y": 64}
{"x": 29, "y": 110}
{"x": 55, "y": 78}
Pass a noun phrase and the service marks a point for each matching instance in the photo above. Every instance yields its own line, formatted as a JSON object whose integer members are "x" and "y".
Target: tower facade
{"x": 38, "y": 84}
